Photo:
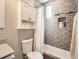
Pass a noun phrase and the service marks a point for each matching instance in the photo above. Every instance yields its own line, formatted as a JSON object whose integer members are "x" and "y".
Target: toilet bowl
{"x": 34, "y": 55}
{"x": 27, "y": 49}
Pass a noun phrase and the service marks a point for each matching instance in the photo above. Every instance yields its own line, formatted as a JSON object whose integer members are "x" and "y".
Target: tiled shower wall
{"x": 60, "y": 37}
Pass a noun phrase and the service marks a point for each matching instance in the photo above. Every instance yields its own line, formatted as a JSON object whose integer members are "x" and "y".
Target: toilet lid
{"x": 35, "y": 55}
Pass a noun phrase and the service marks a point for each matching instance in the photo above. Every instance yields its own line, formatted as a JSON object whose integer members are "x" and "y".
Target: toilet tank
{"x": 27, "y": 45}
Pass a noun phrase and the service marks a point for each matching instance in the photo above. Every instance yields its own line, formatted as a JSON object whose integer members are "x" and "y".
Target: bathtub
{"x": 53, "y": 51}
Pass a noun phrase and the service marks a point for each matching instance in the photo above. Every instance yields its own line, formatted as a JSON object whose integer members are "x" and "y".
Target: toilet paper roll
{"x": 13, "y": 57}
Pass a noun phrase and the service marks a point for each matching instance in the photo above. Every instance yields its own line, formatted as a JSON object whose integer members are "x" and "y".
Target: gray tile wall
{"x": 59, "y": 37}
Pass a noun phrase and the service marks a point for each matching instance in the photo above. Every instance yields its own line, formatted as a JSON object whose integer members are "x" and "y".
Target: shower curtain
{"x": 74, "y": 47}
{"x": 39, "y": 30}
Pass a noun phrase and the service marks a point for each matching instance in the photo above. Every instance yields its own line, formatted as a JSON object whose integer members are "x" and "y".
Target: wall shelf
{"x": 28, "y": 21}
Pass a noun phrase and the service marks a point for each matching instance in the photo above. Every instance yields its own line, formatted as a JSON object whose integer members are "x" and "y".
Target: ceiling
{"x": 43, "y": 1}
{"x": 40, "y": 2}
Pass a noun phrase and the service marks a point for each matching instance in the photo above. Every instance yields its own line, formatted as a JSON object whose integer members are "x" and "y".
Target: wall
{"x": 24, "y": 34}
{"x": 9, "y": 33}
{"x": 1, "y": 13}
{"x": 60, "y": 37}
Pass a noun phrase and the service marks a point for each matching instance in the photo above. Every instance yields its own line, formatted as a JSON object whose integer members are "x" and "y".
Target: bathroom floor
{"x": 49, "y": 57}
{"x": 45, "y": 56}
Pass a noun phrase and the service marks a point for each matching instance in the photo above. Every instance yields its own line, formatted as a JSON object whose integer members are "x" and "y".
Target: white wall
{"x": 9, "y": 33}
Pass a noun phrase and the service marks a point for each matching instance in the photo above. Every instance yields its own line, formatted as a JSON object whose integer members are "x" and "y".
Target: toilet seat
{"x": 34, "y": 55}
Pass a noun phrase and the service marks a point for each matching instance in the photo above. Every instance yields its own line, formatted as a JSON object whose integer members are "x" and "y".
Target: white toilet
{"x": 27, "y": 49}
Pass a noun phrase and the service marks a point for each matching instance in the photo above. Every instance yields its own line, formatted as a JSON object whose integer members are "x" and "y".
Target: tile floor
{"x": 49, "y": 57}
{"x": 45, "y": 56}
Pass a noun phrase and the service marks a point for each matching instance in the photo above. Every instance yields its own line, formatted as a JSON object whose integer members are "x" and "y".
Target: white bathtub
{"x": 60, "y": 53}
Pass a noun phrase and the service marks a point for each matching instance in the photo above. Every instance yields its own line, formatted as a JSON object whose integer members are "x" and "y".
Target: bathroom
{"x": 48, "y": 25}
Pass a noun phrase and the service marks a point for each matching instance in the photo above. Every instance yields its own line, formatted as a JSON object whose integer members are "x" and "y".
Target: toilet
{"x": 27, "y": 49}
